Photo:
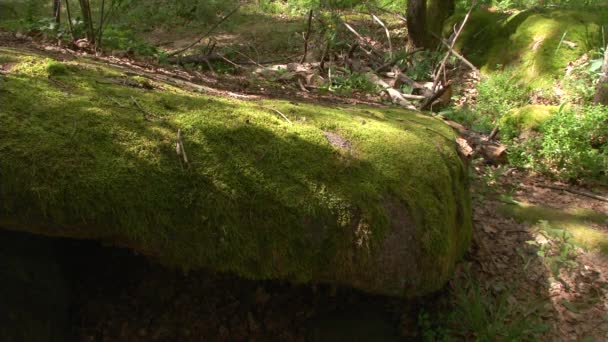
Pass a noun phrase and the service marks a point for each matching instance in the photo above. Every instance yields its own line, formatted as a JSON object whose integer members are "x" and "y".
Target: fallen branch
{"x": 388, "y": 35}
{"x": 574, "y": 191}
{"x": 491, "y": 151}
{"x": 457, "y": 55}
{"x": 451, "y": 47}
{"x": 206, "y": 33}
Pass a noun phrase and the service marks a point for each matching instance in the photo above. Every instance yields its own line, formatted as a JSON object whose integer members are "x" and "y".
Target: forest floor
{"x": 536, "y": 257}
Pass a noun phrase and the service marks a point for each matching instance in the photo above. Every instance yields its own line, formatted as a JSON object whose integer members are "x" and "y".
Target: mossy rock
{"x": 376, "y": 199}
{"x": 535, "y": 43}
{"x": 520, "y": 122}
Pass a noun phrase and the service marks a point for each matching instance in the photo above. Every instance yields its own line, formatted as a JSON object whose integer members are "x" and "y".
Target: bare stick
{"x": 388, "y": 35}
{"x": 141, "y": 109}
{"x": 456, "y": 54}
{"x": 445, "y": 59}
{"x": 574, "y": 191}
{"x": 306, "y": 38}
{"x": 359, "y": 36}
{"x": 206, "y": 33}
{"x": 281, "y": 114}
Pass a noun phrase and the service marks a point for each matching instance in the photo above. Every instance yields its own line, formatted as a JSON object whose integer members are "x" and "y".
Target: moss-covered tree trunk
{"x": 416, "y": 23}
{"x": 601, "y": 93}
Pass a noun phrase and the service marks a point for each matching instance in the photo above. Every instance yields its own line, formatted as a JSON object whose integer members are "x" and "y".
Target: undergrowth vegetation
{"x": 475, "y": 313}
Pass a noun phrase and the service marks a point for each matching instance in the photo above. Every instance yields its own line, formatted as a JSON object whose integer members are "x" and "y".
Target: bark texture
{"x": 416, "y": 23}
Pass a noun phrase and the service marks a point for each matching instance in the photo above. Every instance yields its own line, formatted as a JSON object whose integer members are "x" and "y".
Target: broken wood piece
{"x": 395, "y": 95}
{"x": 493, "y": 152}
{"x": 426, "y": 105}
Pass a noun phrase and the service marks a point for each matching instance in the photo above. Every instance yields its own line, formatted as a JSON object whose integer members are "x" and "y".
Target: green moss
{"x": 531, "y": 42}
{"x": 259, "y": 197}
{"x": 524, "y": 120}
{"x": 577, "y": 221}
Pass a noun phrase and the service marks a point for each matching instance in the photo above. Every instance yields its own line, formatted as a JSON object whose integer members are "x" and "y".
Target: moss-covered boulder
{"x": 537, "y": 44}
{"x": 376, "y": 199}
{"x": 521, "y": 122}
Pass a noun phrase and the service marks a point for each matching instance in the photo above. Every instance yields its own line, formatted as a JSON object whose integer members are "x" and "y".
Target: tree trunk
{"x": 87, "y": 18}
{"x": 416, "y": 23}
{"x": 437, "y": 12}
{"x": 57, "y": 11}
{"x": 601, "y": 93}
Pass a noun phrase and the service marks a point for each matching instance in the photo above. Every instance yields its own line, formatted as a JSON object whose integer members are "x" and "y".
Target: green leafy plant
{"x": 575, "y": 142}
{"x": 500, "y": 93}
{"x": 345, "y": 82}
{"x": 558, "y": 251}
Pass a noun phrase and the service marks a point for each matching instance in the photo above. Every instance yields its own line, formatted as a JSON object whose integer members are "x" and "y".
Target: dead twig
{"x": 451, "y": 47}
{"x": 146, "y": 114}
{"x": 574, "y": 191}
{"x": 457, "y": 55}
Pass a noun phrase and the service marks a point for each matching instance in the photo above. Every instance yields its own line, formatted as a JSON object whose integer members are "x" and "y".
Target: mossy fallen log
{"x": 386, "y": 210}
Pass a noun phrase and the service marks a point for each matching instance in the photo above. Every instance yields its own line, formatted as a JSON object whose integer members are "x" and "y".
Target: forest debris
{"x": 491, "y": 151}
{"x": 396, "y": 96}
{"x": 457, "y": 55}
{"x": 451, "y": 47}
{"x": 388, "y": 35}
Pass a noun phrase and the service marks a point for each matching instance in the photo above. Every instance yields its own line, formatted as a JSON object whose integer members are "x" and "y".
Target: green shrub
{"x": 116, "y": 38}
{"x": 575, "y": 143}
{"x": 500, "y": 93}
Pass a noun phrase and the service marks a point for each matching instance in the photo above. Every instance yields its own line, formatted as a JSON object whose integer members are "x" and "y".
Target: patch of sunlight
{"x": 578, "y": 221}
